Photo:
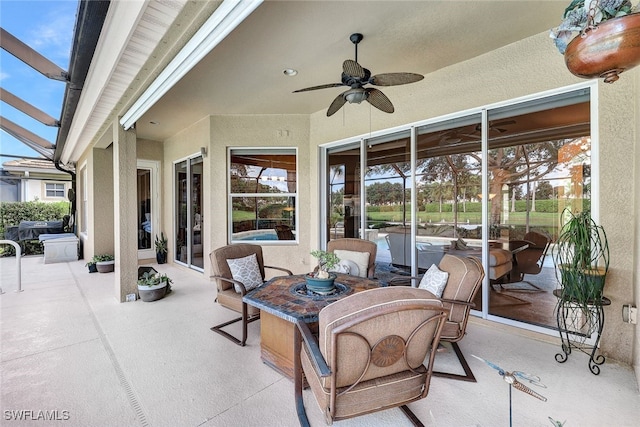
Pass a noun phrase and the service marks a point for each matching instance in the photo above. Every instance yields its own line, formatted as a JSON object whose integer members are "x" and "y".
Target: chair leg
{"x": 468, "y": 373}
{"x": 412, "y": 417}
{"x": 245, "y": 321}
{"x": 298, "y": 380}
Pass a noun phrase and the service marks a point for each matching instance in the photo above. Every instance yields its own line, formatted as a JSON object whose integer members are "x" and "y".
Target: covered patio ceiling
{"x": 243, "y": 74}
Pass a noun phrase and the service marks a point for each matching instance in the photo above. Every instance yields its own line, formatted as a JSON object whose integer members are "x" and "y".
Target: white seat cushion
{"x": 361, "y": 259}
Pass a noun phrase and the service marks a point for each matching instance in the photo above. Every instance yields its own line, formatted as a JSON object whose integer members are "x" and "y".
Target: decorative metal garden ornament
{"x": 512, "y": 378}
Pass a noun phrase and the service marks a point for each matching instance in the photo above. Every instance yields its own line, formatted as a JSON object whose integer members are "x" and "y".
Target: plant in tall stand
{"x": 161, "y": 244}
{"x": 581, "y": 259}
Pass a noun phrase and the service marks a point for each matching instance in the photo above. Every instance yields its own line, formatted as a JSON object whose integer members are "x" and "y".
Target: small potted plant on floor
{"x": 153, "y": 286}
{"x": 161, "y": 248}
{"x": 104, "y": 263}
{"x": 91, "y": 265}
{"x": 322, "y": 280}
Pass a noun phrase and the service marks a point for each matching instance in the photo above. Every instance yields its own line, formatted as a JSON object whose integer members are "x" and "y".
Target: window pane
{"x": 54, "y": 190}
{"x": 262, "y": 198}
{"x": 256, "y": 218}
{"x": 144, "y": 209}
{"x": 257, "y": 172}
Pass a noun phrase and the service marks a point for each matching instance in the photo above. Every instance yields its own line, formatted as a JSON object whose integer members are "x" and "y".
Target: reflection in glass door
{"x": 491, "y": 184}
{"x": 147, "y": 207}
{"x": 196, "y": 217}
{"x": 343, "y": 214}
{"x": 188, "y": 213}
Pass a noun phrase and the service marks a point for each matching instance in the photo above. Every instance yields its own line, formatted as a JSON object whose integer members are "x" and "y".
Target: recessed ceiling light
{"x": 290, "y": 72}
{"x": 153, "y": 122}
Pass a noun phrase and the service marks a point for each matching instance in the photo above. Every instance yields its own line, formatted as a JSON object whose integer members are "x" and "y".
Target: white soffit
{"x": 131, "y": 32}
{"x": 224, "y": 20}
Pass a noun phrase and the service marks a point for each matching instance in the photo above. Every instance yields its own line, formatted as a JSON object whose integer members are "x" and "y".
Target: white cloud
{"x": 4, "y": 75}
{"x": 51, "y": 36}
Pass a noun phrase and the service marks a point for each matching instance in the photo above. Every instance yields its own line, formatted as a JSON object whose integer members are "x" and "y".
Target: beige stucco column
{"x": 124, "y": 211}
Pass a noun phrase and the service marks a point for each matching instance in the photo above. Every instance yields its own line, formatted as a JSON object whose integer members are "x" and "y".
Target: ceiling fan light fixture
{"x": 355, "y": 96}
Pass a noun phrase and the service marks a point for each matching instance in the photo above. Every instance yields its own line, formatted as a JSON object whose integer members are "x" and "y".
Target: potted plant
{"x": 92, "y": 265}
{"x": 161, "y": 248}
{"x": 606, "y": 52}
{"x": 153, "y": 286}
{"x": 104, "y": 263}
{"x": 321, "y": 280}
{"x": 581, "y": 259}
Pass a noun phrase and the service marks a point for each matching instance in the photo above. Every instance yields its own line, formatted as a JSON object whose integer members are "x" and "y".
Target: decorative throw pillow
{"x": 434, "y": 280}
{"x": 346, "y": 266}
{"x": 247, "y": 271}
{"x": 361, "y": 259}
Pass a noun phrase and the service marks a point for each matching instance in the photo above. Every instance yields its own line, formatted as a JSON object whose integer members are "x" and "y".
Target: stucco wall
{"x": 149, "y": 150}
{"x": 262, "y": 131}
{"x": 524, "y": 68}
{"x": 101, "y": 215}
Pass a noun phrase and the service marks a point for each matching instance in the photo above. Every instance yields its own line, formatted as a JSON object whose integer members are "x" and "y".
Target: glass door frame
{"x": 154, "y": 167}
{"x": 189, "y": 244}
{"x": 324, "y": 150}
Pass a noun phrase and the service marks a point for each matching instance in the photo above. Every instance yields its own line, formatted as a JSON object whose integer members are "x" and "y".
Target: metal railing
{"x": 18, "y": 262}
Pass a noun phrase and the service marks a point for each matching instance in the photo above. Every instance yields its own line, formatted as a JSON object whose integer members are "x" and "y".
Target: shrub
{"x": 11, "y": 213}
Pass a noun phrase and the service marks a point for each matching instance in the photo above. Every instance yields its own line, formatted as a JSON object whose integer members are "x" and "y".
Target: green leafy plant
{"x": 152, "y": 279}
{"x": 326, "y": 261}
{"x": 581, "y": 258}
{"x": 161, "y": 244}
{"x": 102, "y": 258}
{"x": 584, "y": 15}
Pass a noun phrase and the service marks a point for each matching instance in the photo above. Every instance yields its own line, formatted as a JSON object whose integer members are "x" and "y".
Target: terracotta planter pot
{"x": 607, "y": 51}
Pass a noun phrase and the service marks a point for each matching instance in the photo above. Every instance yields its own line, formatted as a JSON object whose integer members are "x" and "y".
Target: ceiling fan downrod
{"x": 355, "y": 39}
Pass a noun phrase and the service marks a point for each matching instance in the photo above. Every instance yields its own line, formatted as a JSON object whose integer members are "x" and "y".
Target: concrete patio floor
{"x": 70, "y": 351}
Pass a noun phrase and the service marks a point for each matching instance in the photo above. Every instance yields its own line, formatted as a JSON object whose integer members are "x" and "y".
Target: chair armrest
{"x": 235, "y": 282}
{"x": 458, "y": 302}
{"x": 402, "y": 280}
{"x": 319, "y": 364}
{"x": 280, "y": 268}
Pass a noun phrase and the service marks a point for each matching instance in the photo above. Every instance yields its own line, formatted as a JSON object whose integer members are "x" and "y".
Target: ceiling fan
{"x": 355, "y": 77}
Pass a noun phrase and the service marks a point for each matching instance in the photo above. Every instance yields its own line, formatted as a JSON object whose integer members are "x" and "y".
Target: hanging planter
{"x": 607, "y": 50}
{"x": 599, "y": 39}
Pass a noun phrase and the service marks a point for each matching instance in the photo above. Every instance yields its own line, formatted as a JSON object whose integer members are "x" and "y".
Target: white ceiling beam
{"x": 224, "y": 20}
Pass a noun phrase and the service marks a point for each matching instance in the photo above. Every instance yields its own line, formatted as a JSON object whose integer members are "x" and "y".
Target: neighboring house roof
{"x": 34, "y": 166}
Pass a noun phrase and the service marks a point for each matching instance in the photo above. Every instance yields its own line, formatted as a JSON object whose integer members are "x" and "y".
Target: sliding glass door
{"x": 491, "y": 184}
{"x": 188, "y": 216}
{"x": 148, "y": 208}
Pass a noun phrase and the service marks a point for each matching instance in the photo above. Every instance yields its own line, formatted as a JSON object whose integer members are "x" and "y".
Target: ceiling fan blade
{"x": 353, "y": 69}
{"x": 395, "y": 79}
{"x": 327, "y": 86}
{"x": 336, "y": 104}
{"x": 379, "y": 100}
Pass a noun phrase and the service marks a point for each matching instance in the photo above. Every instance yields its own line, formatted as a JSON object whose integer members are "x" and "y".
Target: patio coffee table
{"x": 283, "y": 300}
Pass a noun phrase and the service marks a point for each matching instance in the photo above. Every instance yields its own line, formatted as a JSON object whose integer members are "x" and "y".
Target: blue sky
{"x": 46, "y": 26}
